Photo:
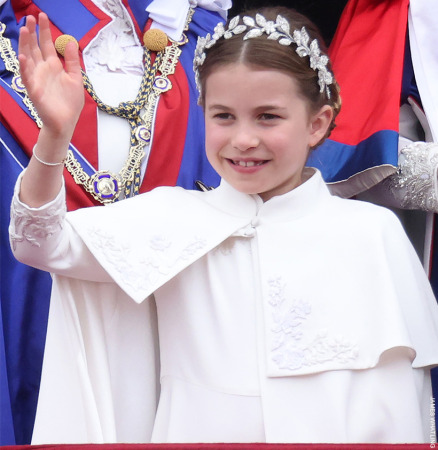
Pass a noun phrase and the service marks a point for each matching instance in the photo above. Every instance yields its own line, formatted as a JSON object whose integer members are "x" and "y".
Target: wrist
{"x": 58, "y": 136}
{"x": 46, "y": 163}
{"x": 52, "y": 146}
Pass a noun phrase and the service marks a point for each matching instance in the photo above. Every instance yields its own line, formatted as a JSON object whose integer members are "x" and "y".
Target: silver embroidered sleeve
{"x": 414, "y": 185}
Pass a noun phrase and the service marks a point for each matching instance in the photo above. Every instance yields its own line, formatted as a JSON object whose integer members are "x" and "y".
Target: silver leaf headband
{"x": 278, "y": 31}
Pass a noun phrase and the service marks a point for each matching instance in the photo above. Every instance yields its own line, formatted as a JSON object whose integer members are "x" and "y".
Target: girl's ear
{"x": 319, "y": 124}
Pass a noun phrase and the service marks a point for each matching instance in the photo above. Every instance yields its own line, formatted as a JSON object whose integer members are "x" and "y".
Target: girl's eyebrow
{"x": 220, "y": 107}
{"x": 258, "y": 108}
{"x": 270, "y": 107}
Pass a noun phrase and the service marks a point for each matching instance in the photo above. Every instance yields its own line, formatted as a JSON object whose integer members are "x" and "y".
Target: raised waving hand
{"x": 58, "y": 95}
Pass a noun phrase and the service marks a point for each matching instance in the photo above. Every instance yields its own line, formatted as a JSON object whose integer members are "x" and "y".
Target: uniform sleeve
{"x": 42, "y": 238}
{"x": 415, "y": 184}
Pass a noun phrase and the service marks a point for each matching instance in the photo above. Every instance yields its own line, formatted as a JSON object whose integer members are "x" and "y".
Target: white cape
{"x": 370, "y": 302}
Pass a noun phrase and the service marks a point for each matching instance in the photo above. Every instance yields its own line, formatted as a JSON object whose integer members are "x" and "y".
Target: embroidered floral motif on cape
{"x": 143, "y": 271}
{"x": 291, "y": 348}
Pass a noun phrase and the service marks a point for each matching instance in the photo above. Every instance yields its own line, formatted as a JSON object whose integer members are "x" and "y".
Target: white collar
{"x": 170, "y": 15}
{"x": 299, "y": 202}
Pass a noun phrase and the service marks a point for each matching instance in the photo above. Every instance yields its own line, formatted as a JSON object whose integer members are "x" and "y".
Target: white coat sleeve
{"x": 42, "y": 238}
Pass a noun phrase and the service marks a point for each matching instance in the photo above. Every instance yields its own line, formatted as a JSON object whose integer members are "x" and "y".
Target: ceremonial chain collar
{"x": 104, "y": 185}
{"x": 278, "y": 31}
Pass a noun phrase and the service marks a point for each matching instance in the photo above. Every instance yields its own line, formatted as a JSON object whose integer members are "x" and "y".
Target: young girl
{"x": 284, "y": 314}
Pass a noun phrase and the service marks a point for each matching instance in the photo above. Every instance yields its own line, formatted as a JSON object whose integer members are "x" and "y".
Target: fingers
{"x": 27, "y": 65}
{"x": 34, "y": 48}
{"x": 45, "y": 37}
{"x": 29, "y": 53}
{"x": 24, "y": 41}
{"x": 30, "y": 45}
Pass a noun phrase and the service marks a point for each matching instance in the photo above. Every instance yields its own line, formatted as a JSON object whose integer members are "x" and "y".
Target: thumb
{"x": 71, "y": 59}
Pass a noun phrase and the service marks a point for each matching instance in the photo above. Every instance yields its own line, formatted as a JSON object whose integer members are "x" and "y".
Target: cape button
{"x": 155, "y": 40}
{"x": 249, "y": 231}
{"x": 62, "y": 41}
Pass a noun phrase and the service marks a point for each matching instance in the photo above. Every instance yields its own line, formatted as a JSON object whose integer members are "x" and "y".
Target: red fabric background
{"x": 224, "y": 447}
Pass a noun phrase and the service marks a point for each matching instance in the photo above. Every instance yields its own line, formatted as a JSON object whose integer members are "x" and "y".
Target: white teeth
{"x": 248, "y": 163}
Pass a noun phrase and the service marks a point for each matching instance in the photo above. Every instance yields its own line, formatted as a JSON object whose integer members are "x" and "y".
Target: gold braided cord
{"x": 130, "y": 176}
{"x": 140, "y": 115}
{"x": 128, "y": 110}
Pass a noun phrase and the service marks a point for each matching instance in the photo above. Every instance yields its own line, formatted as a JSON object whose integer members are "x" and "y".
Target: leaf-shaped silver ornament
{"x": 314, "y": 47}
{"x": 260, "y": 20}
{"x": 255, "y": 32}
{"x": 200, "y": 44}
{"x": 328, "y": 77}
{"x": 304, "y": 37}
{"x": 233, "y": 22}
{"x": 249, "y": 21}
{"x": 240, "y": 29}
{"x": 297, "y": 37}
{"x": 274, "y": 36}
{"x": 283, "y": 24}
{"x": 219, "y": 29}
{"x": 285, "y": 41}
{"x": 210, "y": 43}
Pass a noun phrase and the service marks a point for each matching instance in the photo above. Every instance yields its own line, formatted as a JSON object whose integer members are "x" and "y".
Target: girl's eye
{"x": 267, "y": 116}
{"x": 223, "y": 116}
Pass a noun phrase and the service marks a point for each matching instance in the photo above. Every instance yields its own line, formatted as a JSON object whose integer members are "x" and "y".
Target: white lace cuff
{"x": 34, "y": 225}
{"x": 414, "y": 185}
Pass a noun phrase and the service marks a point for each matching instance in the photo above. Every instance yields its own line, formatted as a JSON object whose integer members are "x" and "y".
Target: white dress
{"x": 307, "y": 318}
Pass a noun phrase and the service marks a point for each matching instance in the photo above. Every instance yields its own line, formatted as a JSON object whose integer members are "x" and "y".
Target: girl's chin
{"x": 246, "y": 188}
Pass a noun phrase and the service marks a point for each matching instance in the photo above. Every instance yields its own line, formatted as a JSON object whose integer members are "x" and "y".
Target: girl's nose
{"x": 245, "y": 139}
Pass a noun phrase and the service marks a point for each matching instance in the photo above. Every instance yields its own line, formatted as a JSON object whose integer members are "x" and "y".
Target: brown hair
{"x": 266, "y": 53}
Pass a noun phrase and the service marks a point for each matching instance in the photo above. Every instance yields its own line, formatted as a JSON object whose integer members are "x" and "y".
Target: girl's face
{"x": 259, "y": 129}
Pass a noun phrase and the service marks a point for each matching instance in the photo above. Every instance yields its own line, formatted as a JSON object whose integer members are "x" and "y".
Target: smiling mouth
{"x": 247, "y": 163}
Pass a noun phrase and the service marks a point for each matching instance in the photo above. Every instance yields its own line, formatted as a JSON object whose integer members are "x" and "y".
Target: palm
{"x": 57, "y": 93}
{"x": 57, "y": 96}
